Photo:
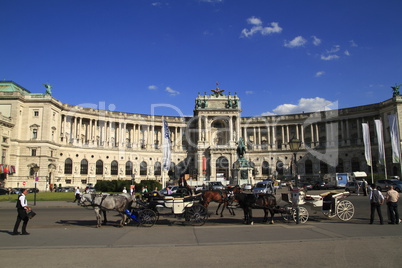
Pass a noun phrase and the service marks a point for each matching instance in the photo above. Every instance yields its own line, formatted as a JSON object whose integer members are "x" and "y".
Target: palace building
{"x": 50, "y": 143}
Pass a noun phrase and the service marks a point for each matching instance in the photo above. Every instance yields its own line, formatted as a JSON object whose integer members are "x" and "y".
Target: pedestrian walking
{"x": 124, "y": 190}
{"x": 364, "y": 186}
{"x": 376, "y": 200}
{"x": 392, "y": 205}
{"x": 77, "y": 194}
{"x": 22, "y": 210}
{"x": 357, "y": 188}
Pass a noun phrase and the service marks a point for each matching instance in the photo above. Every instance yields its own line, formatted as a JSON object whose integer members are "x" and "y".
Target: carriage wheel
{"x": 345, "y": 210}
{"x": 303, "y": 214}
{"x": 197, "y": 214}
{"x": 287, "y": 214}
{"x": 147, "y": 217}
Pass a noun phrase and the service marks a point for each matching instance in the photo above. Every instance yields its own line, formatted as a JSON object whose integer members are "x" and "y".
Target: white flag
{"x": 166, "y": 146}
{"x": 381, "y": 151}
{"x": 367, "y": 143}
{"x": 393, "y": 128}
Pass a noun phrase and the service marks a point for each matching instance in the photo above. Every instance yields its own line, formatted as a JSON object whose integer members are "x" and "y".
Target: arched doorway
{"x": 220, "y": 132}
{"x": 222, "y": 168}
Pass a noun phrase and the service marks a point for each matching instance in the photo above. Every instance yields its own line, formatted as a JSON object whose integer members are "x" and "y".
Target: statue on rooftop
{"x": 395, "y": 90}
{"x": 48, "y": 89}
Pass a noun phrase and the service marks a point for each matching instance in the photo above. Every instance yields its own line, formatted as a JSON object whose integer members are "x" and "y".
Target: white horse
{"x": 103, "y": 202}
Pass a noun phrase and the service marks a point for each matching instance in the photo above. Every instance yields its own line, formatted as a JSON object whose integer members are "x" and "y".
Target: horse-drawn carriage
{"x": 331, "y": 204}
{"x": 180, "y": 204}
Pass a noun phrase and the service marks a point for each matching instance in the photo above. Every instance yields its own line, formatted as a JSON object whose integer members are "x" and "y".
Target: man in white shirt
{"x": 77, "y": 194}
{"x": 22, "y": 209}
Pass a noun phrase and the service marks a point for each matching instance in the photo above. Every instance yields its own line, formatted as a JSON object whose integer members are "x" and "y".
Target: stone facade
{"x": 76, "y": 145}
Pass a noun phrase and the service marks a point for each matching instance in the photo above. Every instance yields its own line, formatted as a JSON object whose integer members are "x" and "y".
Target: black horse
{"x": 248, "y": 202}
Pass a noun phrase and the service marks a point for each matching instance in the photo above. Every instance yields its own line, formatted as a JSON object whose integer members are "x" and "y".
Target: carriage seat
{"x": 285, "y": 197}
{"x": 312, "y": 197}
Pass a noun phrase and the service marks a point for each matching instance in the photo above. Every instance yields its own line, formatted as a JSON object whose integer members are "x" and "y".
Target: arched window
{"x": 143, "y": 168}
{"x": 308, "y": 166}
{"x": 114, "y": 168}
{"x": 279, "y": 167}
{"x": 99, "y": 167}
{"x": 129, "y": 168}
{"x": 254, "y": 170}
{"x": 68, "y": 166}
{"x": 31, "y": 172}
{"x": 265, "y": 168}
{"x": 84, "y": 167}
{"x": 222, "y": 167}
{"x": 157, "y": 168}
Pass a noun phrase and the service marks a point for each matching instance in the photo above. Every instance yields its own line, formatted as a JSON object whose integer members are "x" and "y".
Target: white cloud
{"x": 318, "y": 74}
{"x": 171, "y": 91}
{"x": 258, "y": 28}
{"x": 255, "y": 21}
{"x": 347, "y": 53}
{"x": 296, "y": 42}
{"x": 334, "y": 49}
{"x": 152, "y": 87}
{"x": 353, "y": 43}
{"x": 267, "y": 114}
{"x": 329, "y": 57}
{"x": 249, "y": 92}
{"x": 316, "y": 40}
{"x": 305, "y": 105}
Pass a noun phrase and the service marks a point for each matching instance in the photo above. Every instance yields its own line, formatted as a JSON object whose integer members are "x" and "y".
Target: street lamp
{"x": 295, "y": 146}
{"x": 35, "y": 169}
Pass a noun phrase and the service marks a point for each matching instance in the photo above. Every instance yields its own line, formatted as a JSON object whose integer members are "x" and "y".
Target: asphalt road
{"x": 64, "y": 235}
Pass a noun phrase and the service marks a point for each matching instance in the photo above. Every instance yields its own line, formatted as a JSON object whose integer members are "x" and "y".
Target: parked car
{"x": 16, "y": 190}
{"x": 3, "y": 191}
{"x": 90, "y": 189}
{"x": 199, "y": 188}
{"x": 351, "y": 186}
{"x": 33, "y": 190}
{"x": 319, "y": 185}
{"x": 264, "y": 187}
{"x": 307, "y": 186}
{"x": 65, "y": 189}
{"x": 216, "y": 185}
{"x": 247, "y": 186}
{"x": 382, "y": 185}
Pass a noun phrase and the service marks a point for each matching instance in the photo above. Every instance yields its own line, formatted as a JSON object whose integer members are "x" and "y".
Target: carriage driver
{"x": 184, "y": 186}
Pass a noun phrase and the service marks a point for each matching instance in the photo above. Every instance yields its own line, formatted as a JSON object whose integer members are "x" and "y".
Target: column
{"x": 231, "y": 129}
{"x": 269, "y": 137}
{"x": 199, "y": 129}
{"x": 359, "y": 132}
{"x": 207, "y": 137}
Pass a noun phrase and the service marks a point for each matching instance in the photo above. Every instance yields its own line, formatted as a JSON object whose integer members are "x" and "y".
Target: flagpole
{"x": 367, "y": 148}
{"x": 163, "y": 161}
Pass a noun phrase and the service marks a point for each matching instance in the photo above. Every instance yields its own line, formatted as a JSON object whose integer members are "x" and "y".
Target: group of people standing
{"x": 391, "y": 199}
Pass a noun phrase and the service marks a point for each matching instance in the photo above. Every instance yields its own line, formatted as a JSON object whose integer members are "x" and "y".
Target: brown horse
{"x": 222, "y": 197}
{"x": 248, "y": 202}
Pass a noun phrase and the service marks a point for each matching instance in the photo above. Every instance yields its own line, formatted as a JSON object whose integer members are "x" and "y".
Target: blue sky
{"x": 283, "y": 56}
